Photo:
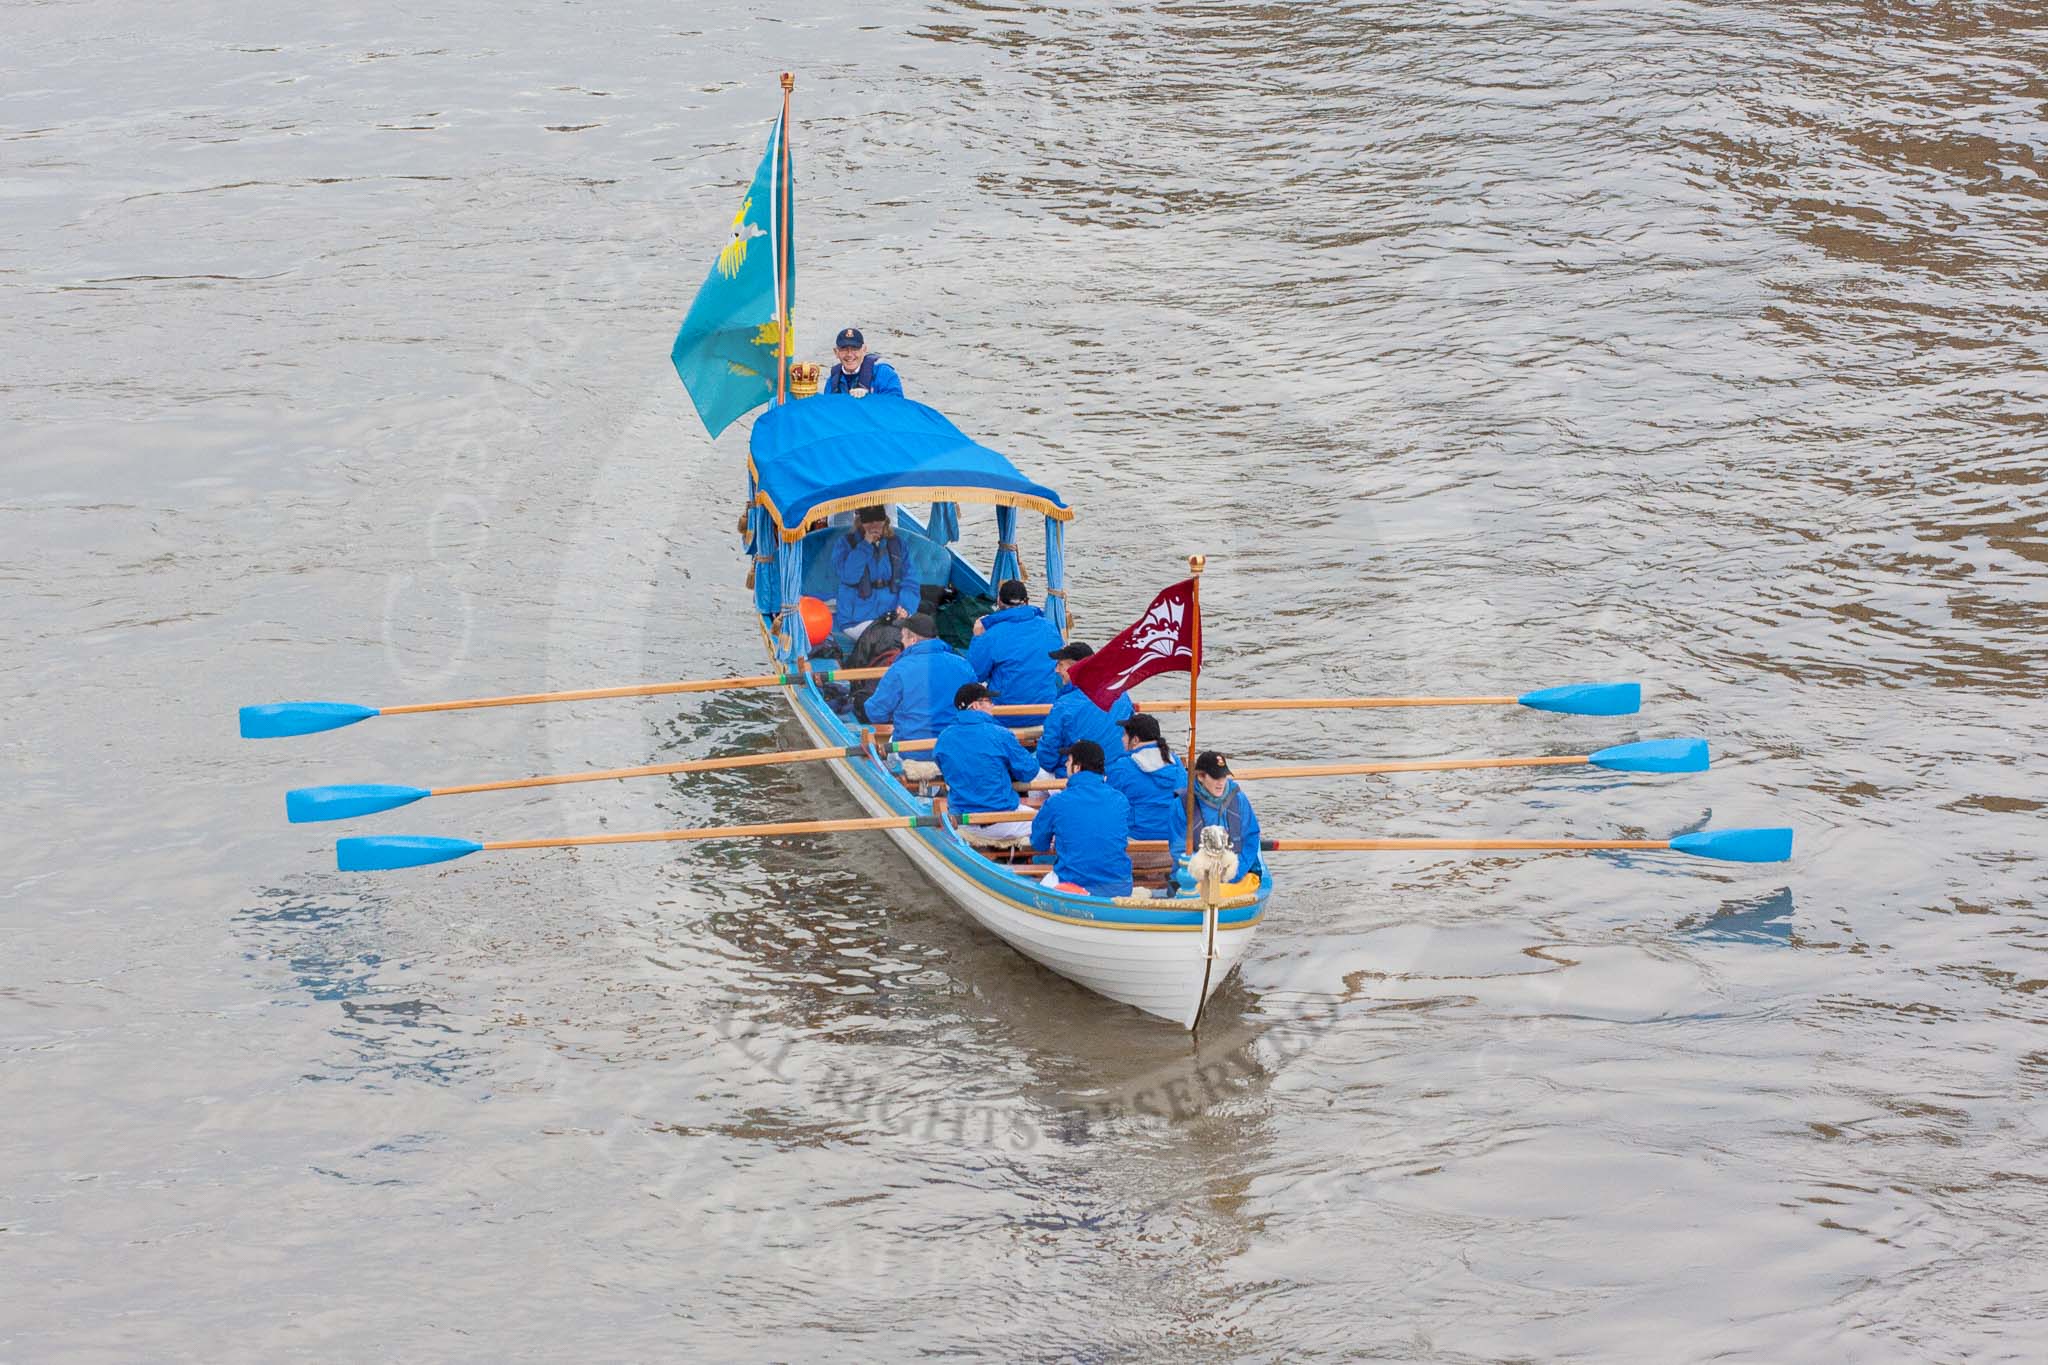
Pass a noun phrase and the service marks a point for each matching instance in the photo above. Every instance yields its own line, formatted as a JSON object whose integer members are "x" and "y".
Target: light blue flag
{"x": 728, "y": 349}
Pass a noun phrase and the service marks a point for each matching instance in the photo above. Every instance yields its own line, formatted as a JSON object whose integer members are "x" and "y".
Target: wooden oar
{"x": 1574, "y": 699}
{"x": 1648, "y": 756}
{"x": 1726, "y": 845}
{"x": 303, "y": 805}
{"x": 275, "y": 719}
{"x": 380, "y": 852}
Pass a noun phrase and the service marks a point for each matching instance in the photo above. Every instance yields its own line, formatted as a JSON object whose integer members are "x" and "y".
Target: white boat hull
{"x": 1162, "y": 969}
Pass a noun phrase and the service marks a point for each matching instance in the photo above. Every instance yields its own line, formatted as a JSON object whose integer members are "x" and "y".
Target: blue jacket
{"x": 980, "y": 758}
{"x": 1157, "y": 791}
{"x": 1086, "y": 827}
{"x": 1233, "y": 811}
{"x": 1011, "y": 656}
{"x": 874, "y": 580}
{"x": 916, "y": 694}
{"x": 1074, "y": 717}
{"x": 872, "y": 375}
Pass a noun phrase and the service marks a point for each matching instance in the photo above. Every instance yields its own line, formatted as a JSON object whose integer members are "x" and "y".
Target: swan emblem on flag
{"x": 733, "y": 254}
{"x": 1157, "y": 640}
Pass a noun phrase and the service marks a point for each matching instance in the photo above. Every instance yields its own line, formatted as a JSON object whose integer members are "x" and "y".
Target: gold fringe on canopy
{"x": 988, "y": 497}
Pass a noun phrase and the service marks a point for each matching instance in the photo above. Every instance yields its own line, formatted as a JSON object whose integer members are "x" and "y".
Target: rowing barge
{"x": 814, "y": 457}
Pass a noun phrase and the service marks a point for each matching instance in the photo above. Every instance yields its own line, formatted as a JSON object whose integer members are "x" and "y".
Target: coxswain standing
{"x": 859, "y": 374}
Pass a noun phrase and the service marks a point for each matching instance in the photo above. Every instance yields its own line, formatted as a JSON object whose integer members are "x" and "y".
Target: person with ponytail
{"x": 1155, "y": 784}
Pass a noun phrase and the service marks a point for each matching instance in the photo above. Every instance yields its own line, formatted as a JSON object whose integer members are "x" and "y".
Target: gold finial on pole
{"x": 788, "y": 81}
{"x": 1197, "y": 563}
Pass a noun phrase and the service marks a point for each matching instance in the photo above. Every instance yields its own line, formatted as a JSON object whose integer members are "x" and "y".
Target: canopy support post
{"x": 1056, "y": 574}
{"x": 1005, "y": 565}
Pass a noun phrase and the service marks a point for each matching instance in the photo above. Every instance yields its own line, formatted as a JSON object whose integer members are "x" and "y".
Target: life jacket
{"x": 839, "y": 381}
{"x": 1233, "y": 812}
{"x": 867, "y": 583}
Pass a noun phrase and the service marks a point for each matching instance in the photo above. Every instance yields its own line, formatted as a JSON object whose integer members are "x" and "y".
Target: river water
{"x": 1481, "y": 346}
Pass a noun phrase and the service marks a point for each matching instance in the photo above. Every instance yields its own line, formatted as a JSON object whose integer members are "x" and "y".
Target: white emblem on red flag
{"x": 1163, "y": 640}
{"x": 1158, "y": 640}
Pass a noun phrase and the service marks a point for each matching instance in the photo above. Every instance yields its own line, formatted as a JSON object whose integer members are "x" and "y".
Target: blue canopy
{"x": 817, "y": 456}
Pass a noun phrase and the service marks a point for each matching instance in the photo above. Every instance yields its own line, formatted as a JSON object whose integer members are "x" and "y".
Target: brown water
{"x": 1479, "y": 346}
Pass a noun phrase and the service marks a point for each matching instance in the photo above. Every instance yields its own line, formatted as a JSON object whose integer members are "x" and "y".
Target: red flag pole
{"x": 782, "y": 246}
{"x": 1195, "y": 566}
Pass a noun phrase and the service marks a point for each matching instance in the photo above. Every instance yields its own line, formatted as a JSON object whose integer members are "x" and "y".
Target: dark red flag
{"x": 1166, "y": 639}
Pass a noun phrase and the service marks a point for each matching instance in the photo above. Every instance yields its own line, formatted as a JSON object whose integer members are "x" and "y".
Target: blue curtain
{"x": 944, "y": 527}
{"x": 761, "y": 550}
{"x": 789, "y": 626}
{"x": 1055, "y": 573}
{"x": 1006, "y": 547}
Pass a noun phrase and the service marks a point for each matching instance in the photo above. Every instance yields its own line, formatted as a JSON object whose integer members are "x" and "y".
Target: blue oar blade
{"x": 1737, "y": 845}
{"x": 279, "y": 718}
{"x": 1587, "y": 699}
{"x": 1655, "y": 756}
{"x": 380, "y": 852}
{"x": 303, "y": 805}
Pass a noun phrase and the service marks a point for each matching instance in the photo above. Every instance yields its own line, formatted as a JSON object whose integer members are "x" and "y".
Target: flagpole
{"x": 1195, "y": 565}
{"x": 783, "y": 253}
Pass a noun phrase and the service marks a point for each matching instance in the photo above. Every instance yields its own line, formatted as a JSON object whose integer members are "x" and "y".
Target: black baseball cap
{"x": 922, "y": 624}
{"x": 849, "y": 336}
{"x": 1071, "y": 650}
{"x": 1212, "y": 764}
{"x": 1142, "y": 727}
{"x": 970, "y": 693}
{"x": 1012, "y": 592}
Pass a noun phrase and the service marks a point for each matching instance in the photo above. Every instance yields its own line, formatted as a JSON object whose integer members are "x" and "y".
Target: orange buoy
{"x": 817, "y": 614}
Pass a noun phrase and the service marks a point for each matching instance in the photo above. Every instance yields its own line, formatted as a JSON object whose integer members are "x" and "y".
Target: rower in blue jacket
{"x": 980, "y": 758}
{"x": 916, "y": 694}
{"x": 1012, "y": 651}
{"x": 1220, "y": 801}
{"x": 877, "y": 577}
{"x": 1075, "y": 716}
{"x": 857, "y": 372}
{"x": 1087, "y": 827}
{"x": 1155, "y": 785}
